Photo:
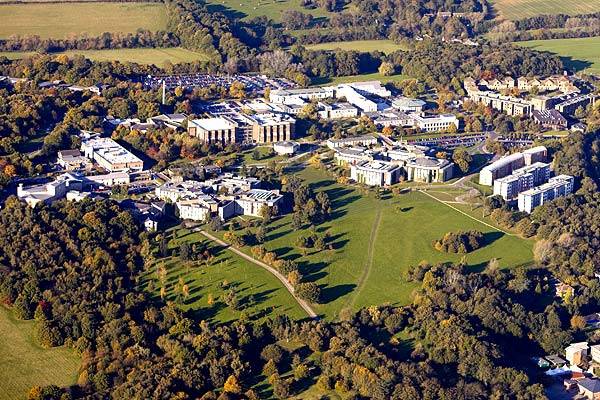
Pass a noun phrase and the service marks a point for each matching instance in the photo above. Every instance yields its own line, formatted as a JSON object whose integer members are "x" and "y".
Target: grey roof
{"x": 592, "y": 385}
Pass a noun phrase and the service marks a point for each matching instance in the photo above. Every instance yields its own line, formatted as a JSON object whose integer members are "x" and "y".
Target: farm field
{"x": 60, "y": 20}
{"x": 519, "y": 9}
{"x": 385, "y": 46}
{"x": 376, "y": 240}
{"x": 157, "y": 56}
{"x": 581, "y": 54}
{"x": 23, "y": 363}
{"x": 248, "y": 9}
{"x": 260, "y": 293}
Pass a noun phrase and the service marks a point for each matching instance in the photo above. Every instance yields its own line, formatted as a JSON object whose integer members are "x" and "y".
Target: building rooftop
{"x": 589, "y": 384}
{"x": 429, "y": 162}
{"x": 213, "y": 124}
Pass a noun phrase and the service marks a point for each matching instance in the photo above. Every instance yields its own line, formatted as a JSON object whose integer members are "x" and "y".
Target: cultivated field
{"x": 23, "y": 363}
{"x": 518, "y": 9}
{"x": 376, "y": 240}
{"x": 156, "y": 56}
{"x": 260, "y": 293}
{"x": 386, "y": 46}
{"x": 272, "y": 9}
{"x": 61, "y": 20}
{"x": 577, "y": 54}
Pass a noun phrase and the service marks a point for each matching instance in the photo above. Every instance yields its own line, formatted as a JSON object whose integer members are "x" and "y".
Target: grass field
{"x": 577, "y": 54}
{"x": 60, "y": 20}
{"x": 157, "y": 56}
{"x": 518, "y": 9}
{"x": 376, "y": 240}
{"x": 23, "y": 363}
{"x": 247, "y": 9}
{"x": 260, "y": 293}
{"x": 376, "y": 76}
{"x": 386, "y": 46}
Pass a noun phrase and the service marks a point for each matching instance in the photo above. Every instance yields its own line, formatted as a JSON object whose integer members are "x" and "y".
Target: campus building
{"x": 345, "y": 156}
{"x": 408, "y": 105}
{"x": 510, "y": 105}
{"x": 211, "y": 130}
{"x": 506, "y": 165}
{"x": 429, "y": 170}
{"x": 552, "y": 119}
{"x": 435, "y": 123}
{"x": 197, "y": 209}
{"x": 337, "y": 110}
{"x": 49, "y": 192}
{"x": 251, "y": 203}
{"x": 353, "y": 141}
{"x": 521, "y": 180}
{"x": 110, "y": 155}
{"x": 558, "y": 186}
{"x": 375, "y": 173}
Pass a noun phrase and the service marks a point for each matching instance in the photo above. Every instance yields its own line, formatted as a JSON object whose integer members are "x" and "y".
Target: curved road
{"x": 270, "y": 269}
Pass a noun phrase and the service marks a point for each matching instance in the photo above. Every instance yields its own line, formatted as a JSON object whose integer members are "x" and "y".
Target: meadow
{"x": 581, "y": 54}
{"x": 23, "y": 363}
{"x": 59, "y": 20}
{"x": 260, "y": 293}
{"x": 375, "y": 76}
{"x": 385, "y": 46}
{"x": 157, "y": 56}
{"x": 519, "y": 9}
{"x": 374, "y": 241}
{"x": 248, "y": 9}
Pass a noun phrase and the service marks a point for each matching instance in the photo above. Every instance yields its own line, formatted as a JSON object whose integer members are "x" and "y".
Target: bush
{"x": 460, "y": 242}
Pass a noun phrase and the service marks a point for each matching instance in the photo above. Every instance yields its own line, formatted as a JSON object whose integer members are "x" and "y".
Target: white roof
{"x": 213, "y": 124}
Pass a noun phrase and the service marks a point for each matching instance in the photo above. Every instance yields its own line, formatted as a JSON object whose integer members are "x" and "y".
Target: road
{"x": 311, "y": 313}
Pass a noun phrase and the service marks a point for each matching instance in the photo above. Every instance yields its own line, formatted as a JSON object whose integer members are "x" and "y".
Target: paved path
{"x": 270, "y": 269}
{"x": 470, "y": 216}
{"x": 369, "y": 261}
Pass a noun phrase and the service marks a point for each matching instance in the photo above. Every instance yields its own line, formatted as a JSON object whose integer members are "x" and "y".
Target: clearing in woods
{"x": 519, "y": 9}
{"x": 24, "y": 363}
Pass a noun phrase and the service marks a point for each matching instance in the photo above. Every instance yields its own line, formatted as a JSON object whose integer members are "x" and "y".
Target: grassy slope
{"x": 359, "y": 78}
{"x": 59, "y": 20}
{"x": 272, "y": 9}
{"x": 270, "y": 298}
{"x": 355, "y": 275}
{"x": 141, "y": 56}
{"x": 386, "y": 46}
{"x": 23, "y": 363}
{"x": 518, "y": 9}
{"x": 578, "y": 54}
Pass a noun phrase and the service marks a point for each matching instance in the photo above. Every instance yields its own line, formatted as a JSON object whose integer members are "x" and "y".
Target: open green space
{"x": 374, "y": 241}
{"x": 581, "y": 54}
{"x": 260, "y": 294}
{"x": 157, "y": 56}
{"x": 385, "y": 46}
{"x": 23, "y": 363}
{"x": 59, "y": 20}
{"x": 519, "y": 9}
{"x": 248, "y": 9}
{"x": 375, "y": 76}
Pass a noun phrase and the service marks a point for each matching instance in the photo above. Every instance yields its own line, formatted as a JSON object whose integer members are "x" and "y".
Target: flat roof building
{"x": 429, "y": 170}
{"x": 375, "y": 173}
{"x": 110, "y": 155}
{"x": 365, "y": 140}
{"x": 558, "y": 186}
{"x": 506, "y": 165}
{"x": 521, "y": 180}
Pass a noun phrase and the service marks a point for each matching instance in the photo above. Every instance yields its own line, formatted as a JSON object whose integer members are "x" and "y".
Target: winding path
{"x": 311, "y": 313}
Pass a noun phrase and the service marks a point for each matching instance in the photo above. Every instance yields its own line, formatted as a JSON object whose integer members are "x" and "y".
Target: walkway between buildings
{"x": 311, "y": 313}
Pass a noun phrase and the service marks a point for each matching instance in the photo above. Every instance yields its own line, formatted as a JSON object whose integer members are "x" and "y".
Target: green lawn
{"x": 259, "y": 292}
{"x": 247, "y": 9}
{"x": 519, "y": 9}
{"x": 375, "y": 241}
{"x": 58, "y": 20}
{"x": 376, "y": 76}
{"x": 157, "y": 56}
{"x": 23, "y": 363}
{"x": 577, "y": 54}
{"x": 386, "y": 46}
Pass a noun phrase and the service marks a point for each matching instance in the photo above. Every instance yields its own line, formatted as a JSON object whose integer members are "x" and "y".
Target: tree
{"x": 462, "y": 158}
{"x": 266, "y": 213}
{"x": 309, "y": 291}
{"x": 184, "y": 251}
{"x": 232, "y": 385}
{"x": 386, "y": 69}
{"x": 163, "y": 246}
{"x": 387, "y": 131}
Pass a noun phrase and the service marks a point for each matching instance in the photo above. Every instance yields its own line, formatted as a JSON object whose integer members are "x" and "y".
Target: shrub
{"x": 460, "y": 242}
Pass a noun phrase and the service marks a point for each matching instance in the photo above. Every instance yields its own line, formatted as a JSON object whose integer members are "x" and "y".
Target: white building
{"x": 173, "y": 191}
{"x": 506, "y": 165}
{"x": 435, "y": 123}
{"x": 356, "y": 98}
{"x": 337, "y": 111}
{"x": 252, "y": 202}
{"x": 72, "y": 160}
{"x": 300, "y": 96}
{"x": 197, "y": 209}
{"x": 375, "y": 173}
{"x": 521, "y": 180}
{"x": 558, "y": 186}
{"x": 351, "y": 155}
{"x": 576, "y": 353}
{"x": 286, "y": 148}
{"x": 408, "y": 105}
{"x": 429, "y": 170}
{"x": 110, "y": 155}
{"x": 365, "y": 140}
{"x": 49, "y": 192}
